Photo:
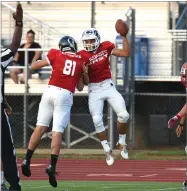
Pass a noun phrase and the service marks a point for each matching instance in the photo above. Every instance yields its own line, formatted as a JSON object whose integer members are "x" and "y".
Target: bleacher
{"x": 36, "y": 85}
{"x": 74, "y": 17}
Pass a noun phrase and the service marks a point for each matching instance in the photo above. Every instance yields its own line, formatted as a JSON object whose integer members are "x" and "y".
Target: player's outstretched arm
{"x": 39, "y": 64}
{"x": 180, "y": 127}
{"x": 177, "y": 117}
{"x": 125, "y": 52}
{"x": 182, "y": 112}
{"x": 18, "y": 16}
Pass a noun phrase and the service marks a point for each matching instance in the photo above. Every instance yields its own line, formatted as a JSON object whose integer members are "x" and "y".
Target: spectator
{"x": 19, "y": 59}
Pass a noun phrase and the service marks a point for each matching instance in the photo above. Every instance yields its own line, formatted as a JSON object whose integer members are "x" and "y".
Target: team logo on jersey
{"x": 98, "y": 57}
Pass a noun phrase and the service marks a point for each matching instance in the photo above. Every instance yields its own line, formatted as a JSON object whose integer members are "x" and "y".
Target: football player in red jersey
{"x": 182, "y": 113}
{"x": 101, "y": 87}
{"x": 68, "y": 72}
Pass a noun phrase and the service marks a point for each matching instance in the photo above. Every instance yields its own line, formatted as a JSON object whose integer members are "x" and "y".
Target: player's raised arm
{"x": 122, "y": 29}
{"x": 18, "y": 16}
{"x": 39, "y": 64}
{"x": 125, "y": 52}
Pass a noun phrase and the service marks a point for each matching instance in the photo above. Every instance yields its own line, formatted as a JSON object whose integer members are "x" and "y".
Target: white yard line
{"x": 34, "y": 165}
{"x": 35, "y": 187}
{"x": 170, "y": 188}
{"x": 111, "y": 175}
{"x": 176, "y": 169}
{"x": 162, "y": 189}
{"x": 148, "y": 175}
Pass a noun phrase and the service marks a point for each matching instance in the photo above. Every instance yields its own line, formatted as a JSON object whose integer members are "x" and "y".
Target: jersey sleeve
{"x": 6, "y": 57}
{"x": 109, "y": 46}
{"x": 51, "y": 56}
{"x": 84, "y": 56}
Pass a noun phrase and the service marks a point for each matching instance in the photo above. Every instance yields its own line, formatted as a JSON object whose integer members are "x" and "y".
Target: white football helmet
{"x": 90, "y": 34}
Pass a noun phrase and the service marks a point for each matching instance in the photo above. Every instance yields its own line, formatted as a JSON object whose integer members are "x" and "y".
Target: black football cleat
{"x": 17, "y": 188}
{"x": 185, "y": 185}
{"x": 3, "y": 187}
{"x": 52, "y": 175}
{"x": 26, "y": 171}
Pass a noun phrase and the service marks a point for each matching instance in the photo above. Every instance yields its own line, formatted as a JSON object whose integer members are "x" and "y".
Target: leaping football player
{"x": 68, "y": 72}
{"x": 101, "y": 88}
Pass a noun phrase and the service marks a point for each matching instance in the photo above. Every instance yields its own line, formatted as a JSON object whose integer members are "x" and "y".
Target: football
{"x": 121, "y": 27}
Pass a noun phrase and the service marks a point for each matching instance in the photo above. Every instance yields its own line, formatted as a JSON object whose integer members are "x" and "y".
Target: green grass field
{"x": 155, "y": 154}
{"x": 100, "y": 186}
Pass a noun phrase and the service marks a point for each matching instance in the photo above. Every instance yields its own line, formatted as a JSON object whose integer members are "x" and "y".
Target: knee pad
{"x": 58, "y": 128}
{"x": 98, "y": 122}
{"x": 123, "y": 116}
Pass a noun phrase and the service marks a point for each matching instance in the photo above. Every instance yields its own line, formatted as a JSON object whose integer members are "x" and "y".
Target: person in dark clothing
{"x": 19, "y": 59}
{"x": 8, "y": 157}
{"x": 8, "y": 110}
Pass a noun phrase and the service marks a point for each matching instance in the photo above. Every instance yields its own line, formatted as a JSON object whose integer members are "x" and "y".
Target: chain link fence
{"x": 152, "y": 112}
{"x": 79, "y": 134}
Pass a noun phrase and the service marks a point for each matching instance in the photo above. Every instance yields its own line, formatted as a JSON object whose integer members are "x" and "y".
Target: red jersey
{"x": 98, "y": 62}
{"x": 67, "y": 69}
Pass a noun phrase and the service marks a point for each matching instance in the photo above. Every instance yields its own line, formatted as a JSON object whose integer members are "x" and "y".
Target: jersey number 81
{"x": 69, "y": 68}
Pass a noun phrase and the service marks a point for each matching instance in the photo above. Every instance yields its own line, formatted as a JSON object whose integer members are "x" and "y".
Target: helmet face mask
{"x": 67, "y": 43}
{"x": 89, "y": 45}
{"x": 91, "y": 39}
